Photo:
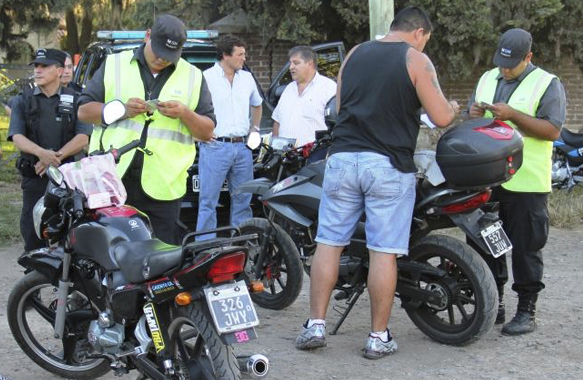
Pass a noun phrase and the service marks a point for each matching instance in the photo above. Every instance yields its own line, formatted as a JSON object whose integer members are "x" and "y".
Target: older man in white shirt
{"x": 300, "y": 110}
{"x": 237, "y": 106}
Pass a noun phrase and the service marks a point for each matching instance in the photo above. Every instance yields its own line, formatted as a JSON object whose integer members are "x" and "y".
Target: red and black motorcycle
{"x": 106, "y": 295}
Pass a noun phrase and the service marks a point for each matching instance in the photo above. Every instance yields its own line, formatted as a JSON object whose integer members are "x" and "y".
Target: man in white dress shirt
{"x": 300, "y": 110}
{"x": 237, "y": 106}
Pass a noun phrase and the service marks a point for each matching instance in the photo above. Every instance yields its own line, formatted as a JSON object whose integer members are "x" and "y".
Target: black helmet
{"x": 330, "y": 114}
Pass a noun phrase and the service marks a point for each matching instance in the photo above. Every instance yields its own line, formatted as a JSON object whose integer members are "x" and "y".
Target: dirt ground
{"x": 554, "y": 351}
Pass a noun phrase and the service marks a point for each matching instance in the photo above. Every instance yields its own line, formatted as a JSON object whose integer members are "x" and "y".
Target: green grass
{"x": 10, "y": 204}
{"x": 566, "y": 208}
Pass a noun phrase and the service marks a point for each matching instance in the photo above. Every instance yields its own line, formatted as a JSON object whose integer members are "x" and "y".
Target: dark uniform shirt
{"x": 50, "y": 131}
{"x": 95, "y": 89}
{"x": 552, "y": 106}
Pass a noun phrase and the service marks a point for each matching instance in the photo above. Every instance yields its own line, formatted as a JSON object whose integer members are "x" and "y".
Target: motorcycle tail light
{"x": 225, "y": 268}
{"x": 470, "y": 204}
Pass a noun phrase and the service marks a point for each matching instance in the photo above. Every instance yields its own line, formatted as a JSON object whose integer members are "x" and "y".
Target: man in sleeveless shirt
{"x": 533, "y": 102}
{"x": 382, "y": 84}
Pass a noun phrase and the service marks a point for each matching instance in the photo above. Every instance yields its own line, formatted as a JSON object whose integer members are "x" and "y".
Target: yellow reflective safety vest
{"x": 173, "y": 148}
{"x": 534, "y": 176}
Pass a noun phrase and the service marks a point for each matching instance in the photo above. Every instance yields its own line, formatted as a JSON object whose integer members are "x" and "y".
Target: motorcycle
{"x": 107, "y": 296}
{"x": 444, "y": 286}
{"x": 567, "y": 169}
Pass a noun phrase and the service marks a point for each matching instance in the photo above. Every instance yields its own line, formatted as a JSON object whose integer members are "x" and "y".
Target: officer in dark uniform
{"x": 67, "y": 77}
{"x": 44, "y": 127}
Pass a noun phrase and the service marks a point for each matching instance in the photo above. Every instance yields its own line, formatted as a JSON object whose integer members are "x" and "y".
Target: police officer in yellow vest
{"x": 155, "y": 175}
{"x": 532, "y": 101}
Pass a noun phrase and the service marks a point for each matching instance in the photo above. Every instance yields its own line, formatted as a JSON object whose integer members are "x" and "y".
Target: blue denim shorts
{"x": 366, "y": 182}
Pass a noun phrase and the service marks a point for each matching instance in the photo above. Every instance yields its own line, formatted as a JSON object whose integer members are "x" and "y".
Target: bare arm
{"x": 275, "y": 131}
{"x": 530, "y": 126}
{"x": 91, "y": 112}
{"x": 424, "y": 78}
{"x": 74, "y": 146}
{"x": 256, "y": 112}
{"x": 47, "y": 157}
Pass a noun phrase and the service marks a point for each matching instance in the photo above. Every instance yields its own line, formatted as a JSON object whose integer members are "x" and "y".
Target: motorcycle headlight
{"x": 37, "y": 215}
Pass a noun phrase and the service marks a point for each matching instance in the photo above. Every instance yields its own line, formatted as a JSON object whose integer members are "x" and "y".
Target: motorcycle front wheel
{"x": 199, "y": 351}
{"x": 281, "y": 269}
{"x": 31, "y": 311}
{"x": 469, "y": 296}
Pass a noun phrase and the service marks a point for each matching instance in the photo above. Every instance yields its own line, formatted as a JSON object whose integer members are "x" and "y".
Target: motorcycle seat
{"x": 572, "y": 138}
{"x": 140, "y": 261}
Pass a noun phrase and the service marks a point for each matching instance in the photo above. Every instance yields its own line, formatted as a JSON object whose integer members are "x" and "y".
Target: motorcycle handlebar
{"x": 117, "y": 153}
{"x": 78, "y": 204}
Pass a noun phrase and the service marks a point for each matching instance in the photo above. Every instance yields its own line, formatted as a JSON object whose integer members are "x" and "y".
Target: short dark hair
{"x": 410, "y": 19}
{"x": 306, "y": 52}
{"x": 226, "y": 45}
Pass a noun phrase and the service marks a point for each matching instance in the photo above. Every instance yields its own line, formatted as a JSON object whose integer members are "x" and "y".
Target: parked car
{"x": 200, "y": 50}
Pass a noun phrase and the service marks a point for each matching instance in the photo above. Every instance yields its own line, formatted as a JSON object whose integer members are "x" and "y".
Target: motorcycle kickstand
{"x": 358, "y": 290}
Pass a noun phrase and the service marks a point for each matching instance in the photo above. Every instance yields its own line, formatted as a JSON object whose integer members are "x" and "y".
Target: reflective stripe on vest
{"x": 173, "y": 148}
{"x": 534, "y": 176}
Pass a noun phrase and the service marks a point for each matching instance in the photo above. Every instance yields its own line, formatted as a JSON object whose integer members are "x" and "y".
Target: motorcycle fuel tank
{"x": 112, "y": 225}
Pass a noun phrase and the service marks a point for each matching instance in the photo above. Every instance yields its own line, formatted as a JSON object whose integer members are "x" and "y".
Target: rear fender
{"x": 474, "y": 222}
{"x": 47, "y": 261}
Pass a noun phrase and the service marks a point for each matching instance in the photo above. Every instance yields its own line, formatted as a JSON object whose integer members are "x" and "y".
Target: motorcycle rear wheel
{"x": 281, "y": 272}
{"x": 199, "y": 351}
{"x": 469, "y": 292}
{"x": 32, "y": 295}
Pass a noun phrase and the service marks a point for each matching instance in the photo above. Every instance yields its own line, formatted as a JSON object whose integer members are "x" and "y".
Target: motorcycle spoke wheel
{"x": 281, "y": 269}
{"x": 468, "y": 296}
{"x": 31, "y": 314}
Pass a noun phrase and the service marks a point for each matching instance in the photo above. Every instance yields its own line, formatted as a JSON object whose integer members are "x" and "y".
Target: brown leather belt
{"x": 231, "y": 139}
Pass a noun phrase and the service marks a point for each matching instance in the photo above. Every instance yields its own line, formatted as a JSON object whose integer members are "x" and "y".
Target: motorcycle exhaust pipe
{"x": 255, "y": 366}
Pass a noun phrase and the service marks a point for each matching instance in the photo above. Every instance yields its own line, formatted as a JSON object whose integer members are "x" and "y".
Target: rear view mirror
{"x": 254, "y": 140}
{"x": 112, "y": 112}
{"x": 55, "y": 175}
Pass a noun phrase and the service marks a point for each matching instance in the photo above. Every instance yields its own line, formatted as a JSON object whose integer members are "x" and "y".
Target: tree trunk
{"x": 116, "y": 12}
{"x": 72, "y": 44}
{"x": 86, "y": 24}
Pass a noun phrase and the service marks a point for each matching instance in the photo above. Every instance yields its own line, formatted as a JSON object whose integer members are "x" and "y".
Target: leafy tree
{"x": 30, "y": 15}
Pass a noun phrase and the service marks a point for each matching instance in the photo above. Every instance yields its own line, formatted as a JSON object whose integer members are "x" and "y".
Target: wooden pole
{"x": 381, "y": 14}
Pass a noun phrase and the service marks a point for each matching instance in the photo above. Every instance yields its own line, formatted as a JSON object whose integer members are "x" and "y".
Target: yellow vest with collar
{"x": 173, "y": 148}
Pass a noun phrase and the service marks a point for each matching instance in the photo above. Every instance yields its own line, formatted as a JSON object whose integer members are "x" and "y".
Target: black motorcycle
{"x": 445, "y": 287}
{"x": 108, "y": 296}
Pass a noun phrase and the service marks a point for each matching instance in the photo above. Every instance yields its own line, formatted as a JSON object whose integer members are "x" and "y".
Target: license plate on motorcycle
{"x": 196, "y": 184}
{"x": 496, "y": 239}
{"x": 231, "y": 307}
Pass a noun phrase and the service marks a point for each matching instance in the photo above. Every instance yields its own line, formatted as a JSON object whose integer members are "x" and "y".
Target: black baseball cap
{"x": 49, "y": 57}
{"x": 168, "y": 35}
{"x": 513, "y": 47}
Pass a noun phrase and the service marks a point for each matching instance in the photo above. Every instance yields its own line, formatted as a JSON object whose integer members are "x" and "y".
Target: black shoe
{"x": 522, "y": 323}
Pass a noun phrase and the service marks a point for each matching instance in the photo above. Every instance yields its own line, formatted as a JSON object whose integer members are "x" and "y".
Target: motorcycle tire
{"x": 33, "y": 333}
{"x": 200, "y": 352}
{"x": 285, "y": 260}
{"x": 471, "y": 298}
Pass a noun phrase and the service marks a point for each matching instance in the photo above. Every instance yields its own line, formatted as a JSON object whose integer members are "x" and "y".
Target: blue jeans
{"x": 366, "y": 181}
{"x": 219, "y": 161}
